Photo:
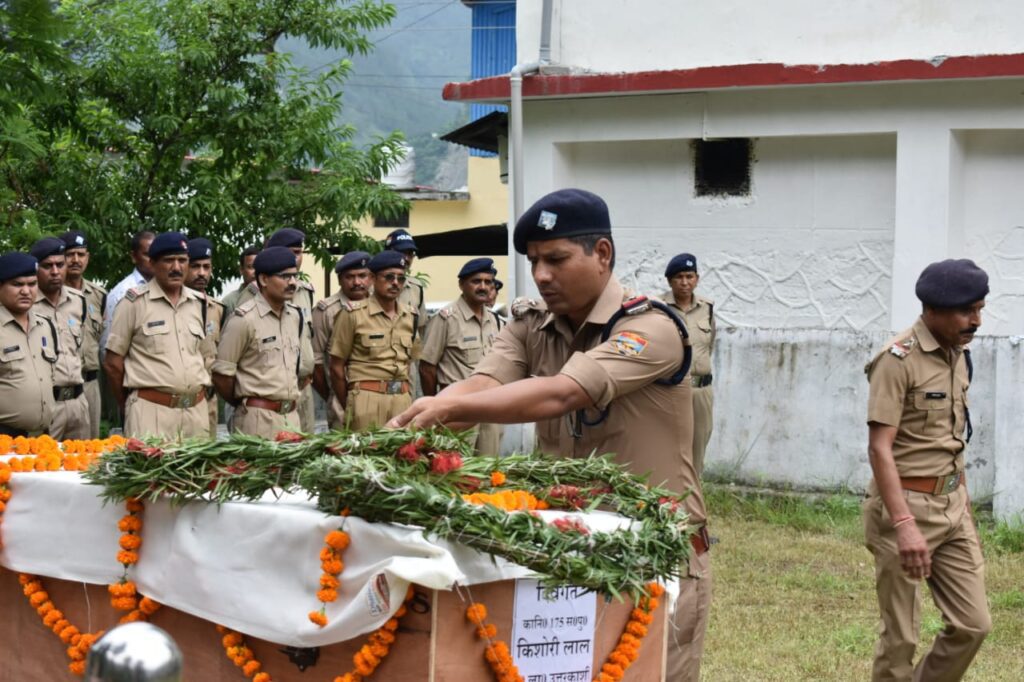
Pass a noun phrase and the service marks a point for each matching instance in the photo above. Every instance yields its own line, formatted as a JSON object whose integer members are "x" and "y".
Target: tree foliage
{"x": 185, "y": 115}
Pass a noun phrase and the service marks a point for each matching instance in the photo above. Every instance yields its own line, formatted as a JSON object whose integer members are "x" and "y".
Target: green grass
{"x": 794, "y": 592}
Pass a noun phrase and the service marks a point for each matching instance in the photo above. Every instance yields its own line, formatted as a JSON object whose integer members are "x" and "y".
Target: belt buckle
{"x": 182, "y": 401}
{"x": 950, "y": 484}
{"x": 64, "y": 393}
{"x": 393, "y": 387}
{"x": 286, "y": 406}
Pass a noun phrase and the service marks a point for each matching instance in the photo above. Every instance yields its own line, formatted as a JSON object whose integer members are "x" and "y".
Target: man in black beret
{"x": 917, "y": 515}
{"x": 699, "y": 315}
{"x": 67, "y": 309}
{"x": 76, "y": 254}
{"x": 626, "y": 395}
{"x": 28, "y": 350}
{"x": 294, "y": 240}
{"x": 353, "y": 274}
{"x": 155, "y": 352}
{"x": 414, "y": 293}
{"x": 265, "y": 358}
{"x": 372, "y": 347}
{"x": 200, "y": 272}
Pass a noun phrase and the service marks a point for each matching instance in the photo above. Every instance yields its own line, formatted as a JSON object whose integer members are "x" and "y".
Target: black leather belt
{"x": 91, "y": 375}
{"x": 61, "y": 393}
{"x": 700, "y": 380}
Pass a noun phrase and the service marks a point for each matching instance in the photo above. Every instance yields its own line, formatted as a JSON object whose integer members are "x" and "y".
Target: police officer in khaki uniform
{"x": 28, "y": 351}
{"x": 66, "y": 308}
{"x": 699, "y": 315}
{"x": 304, "y": 298}
{"x": 549, "y": 365}
{"x": 154, "y": 357}
{"x": 459, "y": 336}
{"x": 76, "y": 255}
{"x": 414, "y": 291}
{"x": 372, "y": 347}
{"x": 917, "y": 514}
{"x": 248, "y": 274}
{"x": 200, "y": 272}
{"x": 354, "y": 282}
{"x": 265, "y": 357}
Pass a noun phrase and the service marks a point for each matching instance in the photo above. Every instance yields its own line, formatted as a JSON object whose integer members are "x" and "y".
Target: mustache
{"x": 175, "y": 273}
{"x": 970, "y": 330}
{"x": 290, "y": 290}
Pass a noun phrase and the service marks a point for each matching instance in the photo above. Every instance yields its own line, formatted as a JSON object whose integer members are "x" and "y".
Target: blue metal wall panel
{"x": 494, "y": 50}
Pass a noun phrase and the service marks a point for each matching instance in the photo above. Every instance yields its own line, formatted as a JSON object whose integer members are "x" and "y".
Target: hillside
{"x": 398, "y": 86}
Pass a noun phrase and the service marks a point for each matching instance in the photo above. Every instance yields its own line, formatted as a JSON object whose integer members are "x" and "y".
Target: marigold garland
{"x": 627, "y": 650}
{"x": 366, "y": 660}
{"x": 509, "y": 500}
{"x": 335, "y": 544}
{"x": 496, "y": 652}
{"x": 77, "y": 641}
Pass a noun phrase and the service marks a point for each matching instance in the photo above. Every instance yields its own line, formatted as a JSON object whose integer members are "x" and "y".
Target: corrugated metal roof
{"x": 493, "y": 49}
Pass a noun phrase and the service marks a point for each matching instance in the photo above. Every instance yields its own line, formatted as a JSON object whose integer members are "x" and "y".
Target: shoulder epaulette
{"x": 901, "y": 349}
{"x": 322, "y": 304}
{"x": 522, "y": 305}
{"x": 244, "y": 308}
{"x": 353, "y": 305}
{"x": 445, "y": 313}
{"x": 211, "y": 299}
{"x": 75, "y": 292}
{"x": 253, "y": 288}
{"x": 306, "y": 285}
{"x": 135, "y": 292}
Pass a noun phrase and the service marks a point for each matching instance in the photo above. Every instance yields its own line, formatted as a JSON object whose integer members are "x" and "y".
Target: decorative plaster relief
{"x": 1001, "y": 254}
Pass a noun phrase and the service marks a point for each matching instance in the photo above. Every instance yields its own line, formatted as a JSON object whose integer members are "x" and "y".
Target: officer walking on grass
{"x": 76, "y": 255}
{"x": 66, "y": 308}
{"x": 457, "y": 339}
{"x": 598, "y": 370}
{"x": 265, "y": 358}
{"x": 354, "y": 285}
{"x": 917, "y": 514}
{"x": 28, "y": 351}
{"x": 154, "y": 357}
{"x": 373, "y": 346}
{"x": 699, "y": 315}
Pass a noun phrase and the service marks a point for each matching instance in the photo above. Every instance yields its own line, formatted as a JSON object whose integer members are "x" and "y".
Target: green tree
{"x": 184, "y": 115}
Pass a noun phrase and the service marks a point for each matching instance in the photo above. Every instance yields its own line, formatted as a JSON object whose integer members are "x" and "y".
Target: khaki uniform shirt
{"x": 214, "y": 322}
{"x": 699, "y": 319}
{"x": 95, "y": 297}
{"x": 230, "y": 301}
{"x": 264, "y": 351}
{"x": 414, "y": 296}
{"x": 67, "y": 318}
{"x": 918, "y": 388}
{"x": 649, "y": 426}
{"x": 456, "y": 341}
{"x": 162, "y": 344}
{"x": 323, "y": 325}
{"x": 374, "y": 346}
{"x": 26, "y": 372}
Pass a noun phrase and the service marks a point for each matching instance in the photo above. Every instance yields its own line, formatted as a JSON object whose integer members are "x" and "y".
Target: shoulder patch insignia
{"x": 245, "y": 308}
{"x": 523, "y": 304}
{"x": 445, "y": 313}
{"x": 902, "y": 348}
{"x": 253, "y": 287}
{"x": 353, "y": 305}
{"x": 132, "y": 294}
{"x": 321, "y": 304}
{"x": 629, "y": 343}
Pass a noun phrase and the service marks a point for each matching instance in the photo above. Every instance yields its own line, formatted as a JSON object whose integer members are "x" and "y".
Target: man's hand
{"x": 427, "y": 412}
{"x": 914, "y": 555}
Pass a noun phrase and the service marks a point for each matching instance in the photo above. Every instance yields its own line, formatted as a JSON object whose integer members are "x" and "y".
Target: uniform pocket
{"x": 270, "y": 351}
{"x": 156, "y": 336}
{"x": 936, "y": 405}
{"x": 373, "y": 340}
{"x": 472, "y": 348}
{"x": 199, "y": 338}
{"x": 10, "y": 360}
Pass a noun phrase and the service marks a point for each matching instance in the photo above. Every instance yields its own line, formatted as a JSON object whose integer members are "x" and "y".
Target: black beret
{"x": 385, "y": 260}
{"x": 74, "y": 239}
{"x": 166, "y": 244}
{"x": 561, "y": 214}
{"x": 684, "y": 262}
{"x": 200, "y": 248}
{"x": 477, "y": 265}
{"x": 400, "y": 240}
{"x": 952, "y": 283}
{"x": 273, "y": 260}
{"x": 46, "y": 247}
{"x": 498, "y": 285}
{"x": 286, "y": 236}
{"x": 16, "y": 264}
{"x": 351, "y": 261}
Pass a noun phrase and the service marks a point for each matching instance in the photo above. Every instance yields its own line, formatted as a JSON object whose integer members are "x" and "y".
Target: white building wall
{"x": 651, "y": 36}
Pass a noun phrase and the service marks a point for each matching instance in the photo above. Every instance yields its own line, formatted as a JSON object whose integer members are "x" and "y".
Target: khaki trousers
{"x": 957, "y": 585}
{"x": 256, "y": 421}
{"x": 488, "y": 439}
{"x": 93, "y": 396}
{"x": 367, "y": 409}
{"x": 143, "y": 418}
{"x": 307, "y": 410}
{"x": 212, "y": 410}
{"x": 703, "y": 421}
{"x": 689, "y": 622}
{"x": 70, "y": 419}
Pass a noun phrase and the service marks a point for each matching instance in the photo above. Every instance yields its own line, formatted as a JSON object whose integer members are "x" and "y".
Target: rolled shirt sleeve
{"x": 343, "y": 335}
{"x": 888, "y": 390}
{"x": 121, "y": 328}
{"x": 638, "y": 352}
{"x": 435, "y": 339}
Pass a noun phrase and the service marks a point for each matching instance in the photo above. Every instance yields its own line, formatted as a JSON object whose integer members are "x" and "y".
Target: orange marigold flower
{"x": 329, "y": 581}
{"x": 127, "y": 558}
{"x": 51, "y": 617}
{"x": 614, "y": 670}
{"x": 37, "y": 598}
{"x": 133, "y": 504}
{"x": 655, "y": 589}
{"x": 129, "y": 541}
{"x": 68, "y": 633}
{"x": 129, "y": 523}
{"x": 232, "y": 639}
{"x": 251, "y": 668}
{"x": 261, "y": 677}
{"x": 334, "y": 566}
{"x": 318, "y": 618}
{"x": 326, "y": 554}
{"x": 326, "y": 595}
{"x": 476, "y": 613}
{"x": 5, "y": 473}
{"x": 638, "y": 629}
{"x": 148, "y": 606}
{"x": 77, "y": 667}
{"x": 59, "y": 626}
{"x": 337, "y": 540}
{"x": 497, "y": 478}
{"x": 124, "y": 603}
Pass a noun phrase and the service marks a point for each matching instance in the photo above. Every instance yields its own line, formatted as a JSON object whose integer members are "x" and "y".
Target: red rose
{"x": 443, "y": 462}
{"x": 289, "y": 437}
{"x": 153, "y": 452}
{"x": 134, "y": 445}
{"x": 571, "y": 524}
{"x": 409, "y": 453}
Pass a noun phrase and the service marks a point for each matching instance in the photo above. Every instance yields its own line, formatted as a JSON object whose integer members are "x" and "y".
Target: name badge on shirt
{"x": 269, "y": 339}
{"x": 11, "y": 349}
{"x": 376, "y": 336}
{"x": 934, "y": 395}
{"x": 469, "y": 338}
{"x": 155, "y": 323}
